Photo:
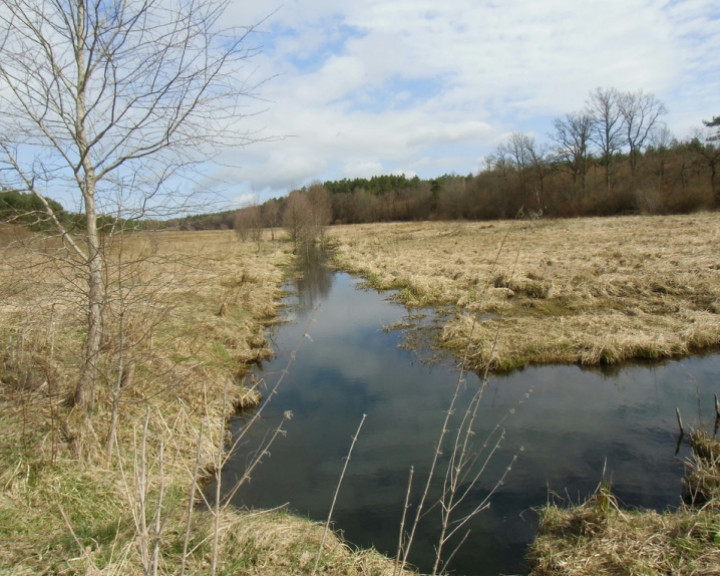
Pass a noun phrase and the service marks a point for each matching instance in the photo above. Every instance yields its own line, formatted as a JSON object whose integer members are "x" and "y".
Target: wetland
{"x": 566, "y": 428}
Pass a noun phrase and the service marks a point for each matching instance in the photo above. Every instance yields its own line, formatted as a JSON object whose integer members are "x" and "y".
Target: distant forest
{"x": 613, "y": 157}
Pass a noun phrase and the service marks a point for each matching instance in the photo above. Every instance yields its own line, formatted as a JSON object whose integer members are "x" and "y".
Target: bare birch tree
{"x": 641, "y": 117}
{"x": 572, "y": 136}
{"x": 604, "y": 106}
{"x": 108, "y": 103}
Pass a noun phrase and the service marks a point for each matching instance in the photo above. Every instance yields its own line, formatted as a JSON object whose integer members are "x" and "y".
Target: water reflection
{"x": 575, "y": 423}
{"x": 313, "y": 280}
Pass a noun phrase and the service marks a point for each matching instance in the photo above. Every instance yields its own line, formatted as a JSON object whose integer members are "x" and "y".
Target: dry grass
{"x": 193, "y": 308}
{"x": 597, "y": 538}
{"x": 589, "y": 291}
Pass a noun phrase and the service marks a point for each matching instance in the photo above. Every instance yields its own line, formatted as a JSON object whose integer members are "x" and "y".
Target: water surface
{"x": 575, "y": 424}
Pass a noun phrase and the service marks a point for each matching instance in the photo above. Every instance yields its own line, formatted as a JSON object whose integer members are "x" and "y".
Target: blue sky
{"x": 360, "y": 88}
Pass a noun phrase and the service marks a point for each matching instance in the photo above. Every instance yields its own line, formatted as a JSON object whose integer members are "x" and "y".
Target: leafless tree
{"x": 661, "y": 144}
{"x": 572, "y": 136}
{"x": 604, "y": 105}
{"x": 271, "y": 215}
{"x": 248, "y": 224}
{"x": 704, "y": 145}
{"x": 516, "y": 149}
{"x": 297, "y": 219}
{"x": 108, "y": 104}
{"x": 641, "y": 116}
{"x": 320, "y": 209}
{"x": 522, "y": 152}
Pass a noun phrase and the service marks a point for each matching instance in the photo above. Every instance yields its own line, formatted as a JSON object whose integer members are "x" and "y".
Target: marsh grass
{"x": 588, "y": 291}
{"x": 598, "y": 537}
{"x": 188, "y": 311}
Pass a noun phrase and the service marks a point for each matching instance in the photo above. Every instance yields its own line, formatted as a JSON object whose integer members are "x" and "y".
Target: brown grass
{"x": 598, "y": 538}
{"x": 588, "y": 291}
{"x": 194, "y": 307}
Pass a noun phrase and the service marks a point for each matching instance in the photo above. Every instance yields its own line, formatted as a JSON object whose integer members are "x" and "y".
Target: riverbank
{"x": 599, "y": 537}
{"x": 589, "y": 291}
{"x": 186, "y": 317}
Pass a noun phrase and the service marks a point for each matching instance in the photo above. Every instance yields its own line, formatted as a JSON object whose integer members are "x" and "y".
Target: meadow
{"x": 120, "y": 491}
{"x": 591, "y": 291}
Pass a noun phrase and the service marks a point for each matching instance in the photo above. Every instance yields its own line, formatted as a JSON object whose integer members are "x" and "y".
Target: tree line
{"x": 615, "y": 156}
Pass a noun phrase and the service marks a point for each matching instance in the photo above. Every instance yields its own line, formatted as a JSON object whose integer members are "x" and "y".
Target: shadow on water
{"x": 575, "y": 423}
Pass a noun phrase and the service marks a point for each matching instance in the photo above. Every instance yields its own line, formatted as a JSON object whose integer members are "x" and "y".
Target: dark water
{"x": 574, "y": 424}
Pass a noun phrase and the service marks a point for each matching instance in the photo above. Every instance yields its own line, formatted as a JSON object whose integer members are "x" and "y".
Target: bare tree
{"x": 661, "y": 144}
{"x": 704, "y": 145}
{"x": 604, "y": 105}
{"x": 108, "y": 104}
{"x": 516, "y": 149}
{"x": 297, "y": 219}
{"x": 522, "y": 152}
{"x": 320, "y": 209}
{"x": 248, "y": 224}
{"x": 572, "y": 136}
{"x": 271, "y": 215}
{"x": 641, "y": 116}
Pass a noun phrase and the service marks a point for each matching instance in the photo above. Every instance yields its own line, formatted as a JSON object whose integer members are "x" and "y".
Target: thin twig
{"x": 263, "y": 451}
{"x": 191, "y": 502}
{"x": 337, "y": 491}
{"x": 401, "y": 538}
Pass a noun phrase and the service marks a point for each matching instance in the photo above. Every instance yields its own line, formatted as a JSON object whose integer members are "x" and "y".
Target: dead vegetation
{"x": 186, "y": 314}
{"x": 589, "y": 291}
{"x": 598, "y": 537}
{"x": 110, "y": 494}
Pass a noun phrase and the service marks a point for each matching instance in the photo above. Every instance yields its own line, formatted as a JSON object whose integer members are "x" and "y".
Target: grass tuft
{"x": 598, "y": 538}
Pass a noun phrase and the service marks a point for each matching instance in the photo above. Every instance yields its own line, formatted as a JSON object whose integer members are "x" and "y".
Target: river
{"x": 564, "y": 425}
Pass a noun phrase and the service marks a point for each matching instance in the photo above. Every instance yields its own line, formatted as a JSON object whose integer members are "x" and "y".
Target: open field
{"x": 188, "y": 311}
{"x": 588, "y": 291}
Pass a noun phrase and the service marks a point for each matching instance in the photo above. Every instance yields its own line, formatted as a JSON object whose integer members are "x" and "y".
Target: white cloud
{"x": 245, "y": 200}
{"x": 429, "y": 87}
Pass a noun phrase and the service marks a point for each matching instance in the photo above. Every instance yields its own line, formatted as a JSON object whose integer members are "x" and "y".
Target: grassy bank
{"x": 588, "y": 291}
{"x": 598, "y": 537}
{"x": 187, "y": 311}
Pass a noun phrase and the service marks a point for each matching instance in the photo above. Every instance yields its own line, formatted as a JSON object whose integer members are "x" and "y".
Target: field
{"x": 186, "y": 315}
{"x": 587, "y": 291}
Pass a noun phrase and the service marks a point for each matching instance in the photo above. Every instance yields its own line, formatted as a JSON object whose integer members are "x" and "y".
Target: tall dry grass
{"x": 589, "y": 291}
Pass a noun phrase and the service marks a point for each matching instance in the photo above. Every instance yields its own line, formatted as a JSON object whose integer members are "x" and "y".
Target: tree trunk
{"x": 84, "y": 394}
{"x": 85, "y": 389}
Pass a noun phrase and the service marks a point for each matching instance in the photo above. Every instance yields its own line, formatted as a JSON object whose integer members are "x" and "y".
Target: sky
{"x": 360, "y": 88}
